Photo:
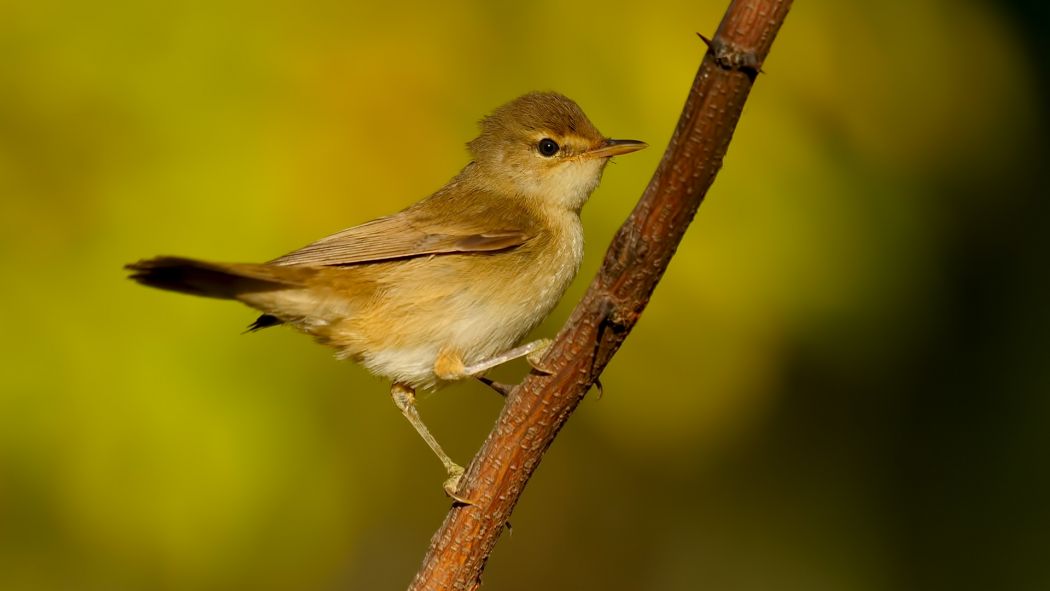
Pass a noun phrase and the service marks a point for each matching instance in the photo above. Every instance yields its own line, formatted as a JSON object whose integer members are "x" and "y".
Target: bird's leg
{"x": 449, "y": 365}
{"x": 405, "y": 399}
{"x": 533, "y": 352}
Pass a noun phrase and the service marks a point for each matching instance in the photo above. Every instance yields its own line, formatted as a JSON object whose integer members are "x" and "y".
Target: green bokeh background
{"x": 841, "y": 383}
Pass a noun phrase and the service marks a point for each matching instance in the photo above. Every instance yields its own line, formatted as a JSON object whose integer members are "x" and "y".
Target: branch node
{"x": 732, "y": 57}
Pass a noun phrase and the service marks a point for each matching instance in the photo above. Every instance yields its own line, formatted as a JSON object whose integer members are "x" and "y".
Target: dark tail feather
{"x": 202, "y": 279}
{"x": 264, "y": 321}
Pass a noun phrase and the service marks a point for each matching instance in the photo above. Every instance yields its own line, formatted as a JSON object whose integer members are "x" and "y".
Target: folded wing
{"x": 401, "y": 236}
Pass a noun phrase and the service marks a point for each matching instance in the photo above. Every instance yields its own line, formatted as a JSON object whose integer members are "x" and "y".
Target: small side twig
{"x": 640, "y": 252}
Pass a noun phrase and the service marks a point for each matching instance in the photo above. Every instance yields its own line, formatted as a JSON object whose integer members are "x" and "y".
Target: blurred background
{"x": 841, "y": 383}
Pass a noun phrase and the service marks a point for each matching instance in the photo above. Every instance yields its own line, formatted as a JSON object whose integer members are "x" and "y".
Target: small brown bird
{"x": 446, "y": 288}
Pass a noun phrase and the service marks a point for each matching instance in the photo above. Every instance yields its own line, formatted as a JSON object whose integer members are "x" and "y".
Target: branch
{"x": 640, "y": 252}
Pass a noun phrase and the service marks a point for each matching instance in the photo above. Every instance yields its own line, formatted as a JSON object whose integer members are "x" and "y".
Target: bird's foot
{"x": 535, "y": 356}
{"x": 451, "y": 486}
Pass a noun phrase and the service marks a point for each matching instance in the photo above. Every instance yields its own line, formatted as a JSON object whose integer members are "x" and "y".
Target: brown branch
{"x": 536, "y": 410}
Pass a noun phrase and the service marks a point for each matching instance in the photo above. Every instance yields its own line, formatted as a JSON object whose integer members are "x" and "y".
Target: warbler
{"x": 446, "y": 288}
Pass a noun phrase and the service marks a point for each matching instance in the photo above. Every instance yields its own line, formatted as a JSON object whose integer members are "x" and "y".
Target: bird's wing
{"x": 402, "y": 236}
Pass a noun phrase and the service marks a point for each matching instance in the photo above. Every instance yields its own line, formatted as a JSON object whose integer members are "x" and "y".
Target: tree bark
{"x": 537, "y": 409}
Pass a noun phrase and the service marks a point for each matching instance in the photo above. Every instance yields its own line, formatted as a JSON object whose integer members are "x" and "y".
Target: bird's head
{"x": 542, "y": 146}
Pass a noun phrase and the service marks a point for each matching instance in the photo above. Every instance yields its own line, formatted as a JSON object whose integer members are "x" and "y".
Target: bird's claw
{"x": 535, "y": 357}
{"x": 451, "y": 485}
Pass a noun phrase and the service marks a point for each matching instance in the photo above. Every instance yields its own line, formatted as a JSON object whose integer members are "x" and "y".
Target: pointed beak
{"x": 609, "y": 148}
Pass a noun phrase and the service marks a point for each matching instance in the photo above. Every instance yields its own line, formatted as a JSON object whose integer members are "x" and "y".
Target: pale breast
{"x": 476, "y": 306}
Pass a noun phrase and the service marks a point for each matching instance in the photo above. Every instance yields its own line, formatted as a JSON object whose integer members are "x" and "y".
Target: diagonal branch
{"x": 640, "y": 252}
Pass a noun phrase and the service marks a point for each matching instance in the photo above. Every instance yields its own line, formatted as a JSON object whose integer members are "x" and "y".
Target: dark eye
{"x": 547, "y": 147}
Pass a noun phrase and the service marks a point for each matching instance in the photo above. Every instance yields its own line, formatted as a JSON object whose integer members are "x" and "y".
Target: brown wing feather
{"x": 397, "y": 237}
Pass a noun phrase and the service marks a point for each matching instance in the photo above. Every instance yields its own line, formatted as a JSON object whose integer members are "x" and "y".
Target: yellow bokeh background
{"x": 841, "y": 383}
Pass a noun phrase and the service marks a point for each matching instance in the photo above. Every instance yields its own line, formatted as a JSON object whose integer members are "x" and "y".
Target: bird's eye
{"x": 547, "y": 147}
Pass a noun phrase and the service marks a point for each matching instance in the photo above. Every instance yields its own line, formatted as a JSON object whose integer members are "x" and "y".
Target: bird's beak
{"x": 609, "y": 148}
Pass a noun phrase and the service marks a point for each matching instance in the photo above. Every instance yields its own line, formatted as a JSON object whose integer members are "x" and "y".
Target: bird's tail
{"x": 213, "y": 280}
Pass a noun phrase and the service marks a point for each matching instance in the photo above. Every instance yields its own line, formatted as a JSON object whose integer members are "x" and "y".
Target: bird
{"x": 448, "y": 287}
